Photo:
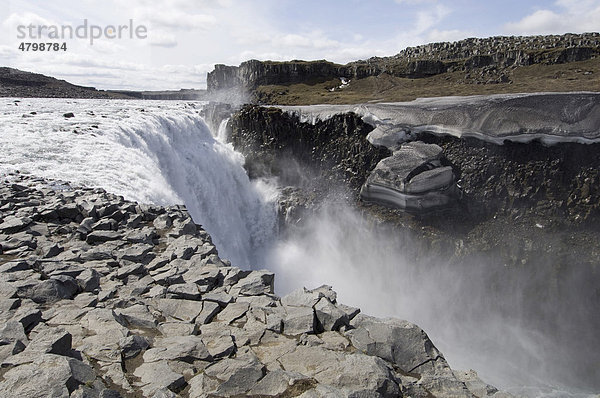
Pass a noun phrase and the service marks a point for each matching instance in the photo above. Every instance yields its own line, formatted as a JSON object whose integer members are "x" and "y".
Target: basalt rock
{"x": 277, "y": 143}
{"x": 415, "y": 178}
{"x": 179, "y": 326}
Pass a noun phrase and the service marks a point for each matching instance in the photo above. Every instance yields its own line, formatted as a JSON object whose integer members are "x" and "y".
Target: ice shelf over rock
{"x": 549, "y": 117}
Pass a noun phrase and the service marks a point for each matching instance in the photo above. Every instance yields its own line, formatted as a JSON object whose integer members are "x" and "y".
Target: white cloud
{"x": 19, "y": 23}
{"x": 572, "y": 17}
{"x": 160, "y": 38}
{"x": 25, "y": 18}
{"x": 430, "y": 17}
{"x": 175, "y": 19}
{"x": 313, "y": 40}
{"x": 448, "y": 35}
{"x": 7, "y": 52}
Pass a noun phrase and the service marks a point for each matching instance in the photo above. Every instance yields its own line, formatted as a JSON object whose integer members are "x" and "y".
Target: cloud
{"x": 176, "y": 19}
{"x": 161, "y": 38}
{"x": 570, "y": 17}
{"x": 176, "y": 14}
{"x": 7, "y": 52}
{"x": 78, "y": 69}
{"x": 25, "y": 18}
{"x": 448, "y": 35}
{"x": 314, "y": 40}
{"x": 430, "y": 17}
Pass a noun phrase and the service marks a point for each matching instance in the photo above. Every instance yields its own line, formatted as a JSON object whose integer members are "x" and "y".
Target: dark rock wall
{"x": 253, "y": 73}
{"x": 559, "y": 181}
{"x": 334, "y": 149}
{"x": 525, "y": 230}
{"x": 550, "y": 181}
{"x": 514, "y": 49}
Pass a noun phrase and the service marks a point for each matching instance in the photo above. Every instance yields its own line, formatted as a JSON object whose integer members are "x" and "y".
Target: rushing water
{"x": 150, "y": 152}
{"x": 163, "y": 153}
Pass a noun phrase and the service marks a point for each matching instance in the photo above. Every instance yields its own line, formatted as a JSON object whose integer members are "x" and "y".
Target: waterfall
{"x": 161, "y": 153}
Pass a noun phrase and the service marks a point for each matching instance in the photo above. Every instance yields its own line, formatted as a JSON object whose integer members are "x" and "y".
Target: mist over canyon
{"x": 500, "y": 285}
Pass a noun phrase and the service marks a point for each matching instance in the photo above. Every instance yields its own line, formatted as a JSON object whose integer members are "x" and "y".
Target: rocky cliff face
{"x": 528, "y": 214}
{"x": 105, "y": 297}
{"x": 253, "y": 73}
{"x": 509, "y": 50}
{"x": 545, "y": 181}
{"x": 495, "y": 54}
{"x": 335, "y": 149}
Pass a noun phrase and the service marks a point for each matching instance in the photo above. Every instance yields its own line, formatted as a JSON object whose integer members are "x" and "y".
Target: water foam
{"x": 150, "y": 152}
{"x": 163, "y": 153}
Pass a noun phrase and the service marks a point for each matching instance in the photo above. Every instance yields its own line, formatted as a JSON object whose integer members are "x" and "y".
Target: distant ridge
{"x": 18, "y": 83}
{"x": 435, "y": 69}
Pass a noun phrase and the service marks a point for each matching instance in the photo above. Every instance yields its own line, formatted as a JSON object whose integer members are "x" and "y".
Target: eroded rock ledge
{"x": 415, "y": 178}
{"x": 526, "y": 154}
{"x": 102, "y": 297}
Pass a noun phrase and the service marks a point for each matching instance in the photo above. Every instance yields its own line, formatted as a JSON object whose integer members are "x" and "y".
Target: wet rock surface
{"x": 528, "y": 213}
{"x": 110, "y": 317}
{"x": 311, "y": 161}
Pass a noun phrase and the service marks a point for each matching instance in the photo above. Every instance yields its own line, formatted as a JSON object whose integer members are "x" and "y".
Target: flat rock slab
{"x": 47, "y": 376}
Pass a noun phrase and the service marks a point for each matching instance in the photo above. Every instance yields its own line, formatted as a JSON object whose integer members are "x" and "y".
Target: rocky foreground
{"x": 102, "y": 297}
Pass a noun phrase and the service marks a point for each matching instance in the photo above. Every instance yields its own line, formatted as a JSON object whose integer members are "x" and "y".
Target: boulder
{"x": 138, "y": 316}
{"x": 233, "y": 312}
{"x": 280, "y": 383}
{"x": 48, "y": 376}
{"x": 351, "y": 373}
{"x": 53, "y": 341}
{"x": 183, "y": 310}
{"x": 257, "y": 282}
{"x": 299, "y": 320}
{"x": 96, "y": 237}
{"x": 399, "y": 342}
{"x": 329, "y": 317}
{"x": 54, "y": 289}
{"x": 181, "y": 348}
{"x": 218, "y": 340}
{"x": 12, "y": 224}
{"x": 242, "y": 381}
{"x": 414, "y": 178}
{"x": 188, "y": 291}
{"x": 132, "y": 346}
{"x": 157, "y": 375}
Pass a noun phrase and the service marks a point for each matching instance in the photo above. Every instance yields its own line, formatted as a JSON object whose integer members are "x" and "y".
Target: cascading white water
{"x": 163, "y": 153}
{"x": 150, "y": 152}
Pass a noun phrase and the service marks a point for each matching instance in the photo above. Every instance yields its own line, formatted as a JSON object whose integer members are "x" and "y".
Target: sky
{"x": 180, "y": 41}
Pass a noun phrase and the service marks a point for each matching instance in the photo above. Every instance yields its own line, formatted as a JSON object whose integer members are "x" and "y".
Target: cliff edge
{"x": 105, "y": 297}
{"x": 468, "y": 67}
